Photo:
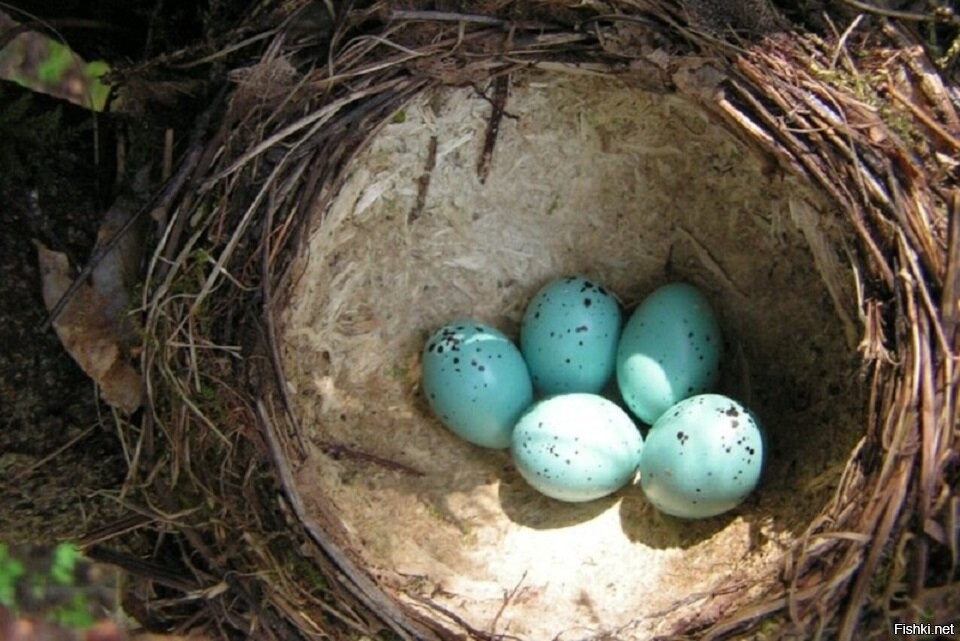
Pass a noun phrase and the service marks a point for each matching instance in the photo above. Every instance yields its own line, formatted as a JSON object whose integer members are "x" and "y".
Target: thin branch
{"x": 445, "y": 16}
{"x": 910, "y": 16}
{"x": 52, "y": 455}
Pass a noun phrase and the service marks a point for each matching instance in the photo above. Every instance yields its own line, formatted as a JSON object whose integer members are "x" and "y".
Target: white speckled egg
{"x": 702, "y": 457}
{"x": 669, "y": 351}
{"x": 476, "y": 382}
{"x": 569, "y": 336}
{"x": 576, "y": 447}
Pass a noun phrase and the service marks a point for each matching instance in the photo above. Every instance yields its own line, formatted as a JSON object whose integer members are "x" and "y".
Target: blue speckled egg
{"x": 576, "y": 447}
{"x": 476, "y": 382}
{"x": 702, "y": 457}
{"x": 569, "y": 336}
{"x": 669, "y": 351}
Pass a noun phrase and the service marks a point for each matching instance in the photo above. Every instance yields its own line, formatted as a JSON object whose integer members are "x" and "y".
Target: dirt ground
{"x": 49, "y": 492}
{"x": 60, "y": 456}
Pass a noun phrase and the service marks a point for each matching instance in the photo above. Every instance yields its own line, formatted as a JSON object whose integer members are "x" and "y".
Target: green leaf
{"x": 97, "y": 90}
{"x": 95, "y": 68}
{"x": 59, "y": 58}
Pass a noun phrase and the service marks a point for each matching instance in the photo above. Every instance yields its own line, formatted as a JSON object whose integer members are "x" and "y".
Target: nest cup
{"x": 589, "y": 175}
{"x": 417, "y": 192}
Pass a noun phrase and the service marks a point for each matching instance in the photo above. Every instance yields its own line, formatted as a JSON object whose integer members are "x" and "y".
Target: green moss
{"x": 881, "y": 576}
{"x": 301, "y": 568}
{"x": 769, "y": 629}
{"x": 208, "y": 392}
{"x": 862, "y": 86}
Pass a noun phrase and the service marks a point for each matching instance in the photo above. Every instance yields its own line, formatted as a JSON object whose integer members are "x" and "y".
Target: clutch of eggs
{"x": 702, "y": 456}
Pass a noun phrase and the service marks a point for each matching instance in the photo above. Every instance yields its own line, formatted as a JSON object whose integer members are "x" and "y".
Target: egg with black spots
{"x": 669, "y": 350}
{"x": 476, "y": 381}
{"x": 702, "y": 457}
{"x": 569, "y": 336}
{"x": 576, "y": 447}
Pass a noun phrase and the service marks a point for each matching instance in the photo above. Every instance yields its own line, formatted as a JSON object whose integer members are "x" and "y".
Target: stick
{"x": 445, "y": 16}
{"x": 501, "y": 88}
{"x": 423, "y": 183}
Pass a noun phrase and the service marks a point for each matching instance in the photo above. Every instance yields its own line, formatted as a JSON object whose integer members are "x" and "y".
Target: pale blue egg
{"x": 476, "y": 382}
{"x": 569, "y": 336}
{"x": 576, "y": 447}
{"x": 669, "y": 350}
{"x": 702, "y": 458}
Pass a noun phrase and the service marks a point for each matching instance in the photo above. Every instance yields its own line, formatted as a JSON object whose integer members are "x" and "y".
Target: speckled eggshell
{"x": 569, "y": 336}
{"x": 476, "y": 381}
{"x": 702, "y": 458}
{"x": 576, "y": 447}
{"x": 669, "y": 350}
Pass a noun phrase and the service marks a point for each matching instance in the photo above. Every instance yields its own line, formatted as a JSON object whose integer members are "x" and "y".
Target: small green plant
{"x": 45, "y": 586}
{"x": 11, "y": 570}
{"x": 65, "y": 558}
{"x": 74, "y": 614}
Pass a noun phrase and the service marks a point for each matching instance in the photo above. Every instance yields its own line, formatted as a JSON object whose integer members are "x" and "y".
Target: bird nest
{"x": 388, "y": 170}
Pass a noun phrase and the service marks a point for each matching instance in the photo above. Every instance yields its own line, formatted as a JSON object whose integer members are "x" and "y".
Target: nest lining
{"x": 591, "y": 176}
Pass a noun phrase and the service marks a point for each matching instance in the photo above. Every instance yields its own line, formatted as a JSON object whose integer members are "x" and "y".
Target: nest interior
{"x": 593, "y": 176}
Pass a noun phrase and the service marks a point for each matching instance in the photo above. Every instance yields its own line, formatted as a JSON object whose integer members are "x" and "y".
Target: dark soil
{"x": 45, "y": 399}
{"x": 52, "y": 190}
